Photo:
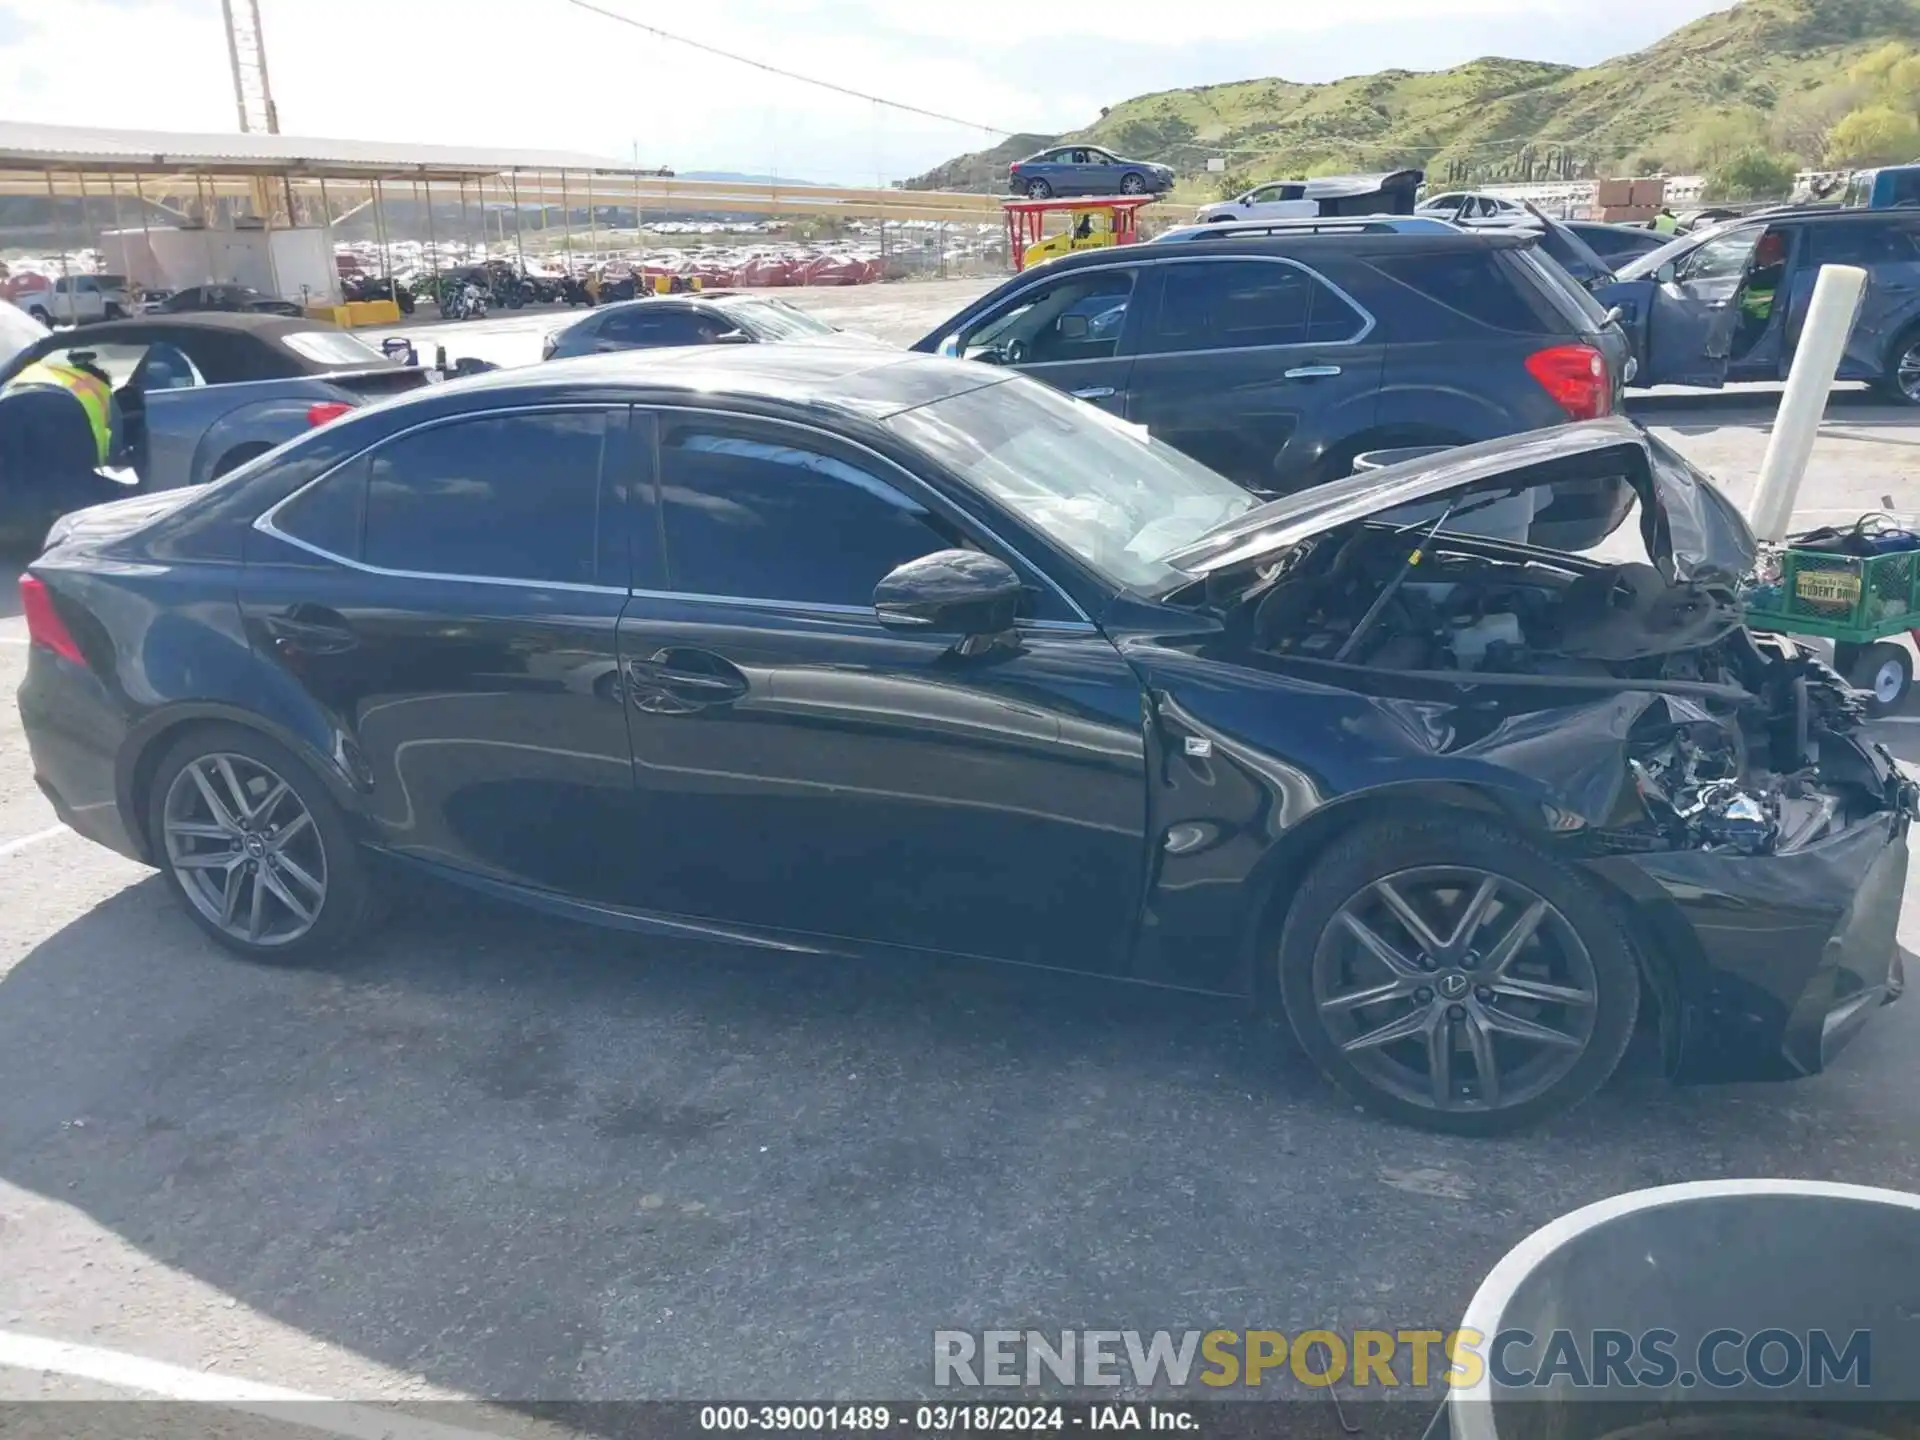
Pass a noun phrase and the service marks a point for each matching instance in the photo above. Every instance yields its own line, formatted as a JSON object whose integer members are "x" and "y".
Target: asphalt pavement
{"x": 494, "y": 1155}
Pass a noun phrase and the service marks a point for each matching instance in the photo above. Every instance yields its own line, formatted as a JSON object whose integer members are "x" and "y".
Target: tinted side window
{"x": 753, "y": 516}
{"x": 513, "y": 496}
{"x": 1472, "y": 283}
{"x": 1079, "y": 317}
{"x": 1235, "y": 304}
{"x": 1865, "y": 243}
{"x": 328, "y": 515}
{"x": 669, "y": 327}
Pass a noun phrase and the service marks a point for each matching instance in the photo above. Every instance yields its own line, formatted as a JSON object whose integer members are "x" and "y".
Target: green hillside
{"x": 1773, "y": 73}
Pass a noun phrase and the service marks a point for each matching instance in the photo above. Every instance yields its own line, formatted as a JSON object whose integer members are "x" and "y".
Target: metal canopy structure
{"x": 81, "y": 160}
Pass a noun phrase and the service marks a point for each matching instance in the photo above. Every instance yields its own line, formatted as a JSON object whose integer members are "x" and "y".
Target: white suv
{"x": 76, "y": 299}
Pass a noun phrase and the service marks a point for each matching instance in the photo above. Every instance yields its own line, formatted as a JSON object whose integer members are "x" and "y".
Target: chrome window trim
{"x": 1366, "y": 315}
{"x": 263, "y": 522}
{"x": 852, "y": 612}
{"x": 914, "y": 481}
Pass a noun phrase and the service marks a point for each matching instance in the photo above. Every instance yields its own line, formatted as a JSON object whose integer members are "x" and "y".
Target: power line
{"x": 787, "y": 74}
{"x": 1302, "y": 141}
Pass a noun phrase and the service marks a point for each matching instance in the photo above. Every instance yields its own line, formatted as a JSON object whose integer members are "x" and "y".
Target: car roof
{"x": 863, "y": 384}
{"x": 1304, "y": 245}
{"x": 145, "y": 327}
{"x": 1312, "y": 225}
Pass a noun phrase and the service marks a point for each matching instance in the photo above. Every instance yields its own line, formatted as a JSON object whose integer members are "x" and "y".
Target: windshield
{"x": 1096, "y": 486}
{"x": 1641, "y": 267}
{"x": 775, "y": 319}
{"x": 332, "y": 347}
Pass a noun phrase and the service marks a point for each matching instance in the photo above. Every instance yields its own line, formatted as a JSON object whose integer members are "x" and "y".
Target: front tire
{"x": 1883, "y": 669}
{"x": 255, "y": 849}
{"x": 1455, "y": 977}
{"x": 1901, "y": 382}
{"x": 1132, "y": 184}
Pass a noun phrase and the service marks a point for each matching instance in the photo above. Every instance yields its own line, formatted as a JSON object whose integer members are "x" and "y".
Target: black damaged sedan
{"x": 858, "y": 652}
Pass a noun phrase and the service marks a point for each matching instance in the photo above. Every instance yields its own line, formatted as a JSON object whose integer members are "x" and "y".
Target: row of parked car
{"x": 1278, "y": 352}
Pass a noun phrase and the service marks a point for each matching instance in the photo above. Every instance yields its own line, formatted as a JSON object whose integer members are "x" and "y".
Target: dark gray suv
{"x": 1276, "y": 359}
{"x": 1727, "y": 304}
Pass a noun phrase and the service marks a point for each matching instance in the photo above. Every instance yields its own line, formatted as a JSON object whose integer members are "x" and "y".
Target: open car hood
{"x": 1691, "y": 530}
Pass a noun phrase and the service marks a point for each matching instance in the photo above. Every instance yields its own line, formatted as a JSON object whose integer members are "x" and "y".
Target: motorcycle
{"x": 462, "y": 300}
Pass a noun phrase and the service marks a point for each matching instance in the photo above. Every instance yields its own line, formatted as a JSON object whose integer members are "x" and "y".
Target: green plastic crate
{"x": 1846, "y": 597}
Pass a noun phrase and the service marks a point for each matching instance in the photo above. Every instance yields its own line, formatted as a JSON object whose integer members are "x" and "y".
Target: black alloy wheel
{"x": 1456, "y": 978}
{"x": 1132, "y": 184}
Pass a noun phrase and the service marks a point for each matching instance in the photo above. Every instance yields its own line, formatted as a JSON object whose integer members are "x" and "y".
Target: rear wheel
{"x": 1039, "y": 190}
{"x": 1455, "y": 977}
{"x": 255, "y": 849}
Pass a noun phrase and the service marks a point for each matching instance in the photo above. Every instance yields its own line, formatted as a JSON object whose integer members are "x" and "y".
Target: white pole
{"x": 1823, "y": 339}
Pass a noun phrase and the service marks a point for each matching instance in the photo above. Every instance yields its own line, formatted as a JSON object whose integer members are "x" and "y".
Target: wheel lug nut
{"x": 1482, "y": 994}
{"x": 1426, "y": 962}
{"x": 1423, "y": 995}
{"x": 1473, "y": 959}
{"x": 1456, "y": 1012}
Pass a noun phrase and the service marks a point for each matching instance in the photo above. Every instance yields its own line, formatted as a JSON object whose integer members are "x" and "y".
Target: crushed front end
{"x": 1767, "y": 852}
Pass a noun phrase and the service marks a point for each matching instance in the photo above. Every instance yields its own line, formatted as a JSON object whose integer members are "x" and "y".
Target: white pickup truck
{"x": 77, "y": 299}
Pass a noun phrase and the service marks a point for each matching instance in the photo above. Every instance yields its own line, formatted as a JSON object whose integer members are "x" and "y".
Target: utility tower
{"x": 247, "y": 50}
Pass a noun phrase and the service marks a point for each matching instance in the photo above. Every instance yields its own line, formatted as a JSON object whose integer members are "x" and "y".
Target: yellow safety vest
{"x": 1665, "y": 224}
{"x": 94, "y": 394}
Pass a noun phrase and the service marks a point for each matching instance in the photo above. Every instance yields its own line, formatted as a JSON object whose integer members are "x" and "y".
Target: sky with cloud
{"x": 544, "y": 73}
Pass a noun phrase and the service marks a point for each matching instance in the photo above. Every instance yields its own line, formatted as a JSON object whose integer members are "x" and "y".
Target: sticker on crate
{"x": 1827, "y": 587}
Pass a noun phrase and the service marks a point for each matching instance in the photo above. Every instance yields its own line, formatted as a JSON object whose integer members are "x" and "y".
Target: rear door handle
{"x": 1312, "y": 372}
{"x": 311, "y": 630}
{"x": 1094, "y": 392}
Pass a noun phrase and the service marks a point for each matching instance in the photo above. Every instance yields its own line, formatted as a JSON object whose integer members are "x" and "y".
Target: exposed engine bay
{"x": 1733, "y": 741}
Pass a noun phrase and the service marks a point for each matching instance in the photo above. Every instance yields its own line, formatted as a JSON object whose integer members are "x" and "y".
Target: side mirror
{"x": 950, "y": 347}
{"x": 1072, "y": 327}
{"x": 950, "y": 592}
{"x": 1667, "y": 273}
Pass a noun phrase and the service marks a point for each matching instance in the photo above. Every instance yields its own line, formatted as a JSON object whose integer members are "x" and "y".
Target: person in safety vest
{"x": 59, "y": 424}
{"x": 1757, "y": 292}
{"x": 1666, "y": 222}
{"x": 91, "y": 389}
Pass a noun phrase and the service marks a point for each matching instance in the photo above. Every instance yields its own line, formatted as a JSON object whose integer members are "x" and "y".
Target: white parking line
{"x": 171, "y": 1382}
{"x": 51, "y": 832}
{"x": 14, "y": 640}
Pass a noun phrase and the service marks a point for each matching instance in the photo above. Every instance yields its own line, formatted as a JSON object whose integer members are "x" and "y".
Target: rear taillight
{"x": 325, "y": 411}
{"x": 45, "y": 628}
{"x": 1576, "y": 377}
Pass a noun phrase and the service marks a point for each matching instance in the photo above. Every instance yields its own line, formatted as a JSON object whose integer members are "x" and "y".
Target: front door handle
{"x": 693, "y": 679}
{"x": 1094, "y": 392}
{"x": 1313, "y": 372}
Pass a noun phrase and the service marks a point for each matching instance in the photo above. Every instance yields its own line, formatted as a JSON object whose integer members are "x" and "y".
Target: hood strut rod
{"x": 1392, "y": 587}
